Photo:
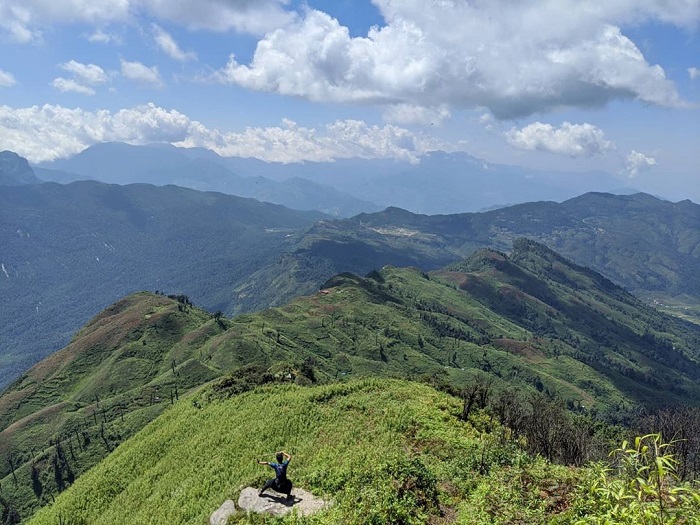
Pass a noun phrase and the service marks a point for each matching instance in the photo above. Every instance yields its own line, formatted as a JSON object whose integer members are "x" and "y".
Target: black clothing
{"x": 280, "y": 483}
{"x": 284, "y": 487}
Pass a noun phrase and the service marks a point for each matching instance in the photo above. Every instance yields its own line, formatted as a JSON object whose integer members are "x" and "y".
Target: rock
{"x": 221, "y": 515}
{"x": 303, "y": 502}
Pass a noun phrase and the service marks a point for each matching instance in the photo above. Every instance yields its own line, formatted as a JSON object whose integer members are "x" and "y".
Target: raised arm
{"x": 288, "y": 457}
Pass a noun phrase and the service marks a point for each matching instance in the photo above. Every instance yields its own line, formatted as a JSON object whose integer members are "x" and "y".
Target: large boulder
{"x": 221, "y": 515}
{"x": 303, "y": 502}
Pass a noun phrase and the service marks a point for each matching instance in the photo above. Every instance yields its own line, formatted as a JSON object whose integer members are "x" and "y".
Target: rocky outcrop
{"x": 302, "y": 502}
{"x": 222, "y": 514}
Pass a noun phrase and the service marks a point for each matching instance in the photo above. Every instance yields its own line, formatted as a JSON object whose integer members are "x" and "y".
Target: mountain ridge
{"x": 530, "y": 320}
{"x": 69, "y": 250}
{"x": 649, "y": 246}
{"x": 15, "y": 170}
{"x": 121, "y": 163}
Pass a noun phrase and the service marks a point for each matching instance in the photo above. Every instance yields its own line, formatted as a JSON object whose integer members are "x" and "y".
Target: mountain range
{"x": 439, "y": 183}
{"x": 531, "y": 320}
{"x": 480, "y": 299}
{"x": 649, "y": 246}
{"x": 71, "y": 249}
{"x": 119, "y": 163}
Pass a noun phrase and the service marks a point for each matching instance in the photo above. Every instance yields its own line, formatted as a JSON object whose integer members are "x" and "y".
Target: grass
{"x": 385, "y": 451}
{"x": 531, "y": 321}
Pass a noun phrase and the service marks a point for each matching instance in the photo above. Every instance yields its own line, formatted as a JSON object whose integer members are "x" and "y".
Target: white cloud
{"x": 509, "y": 57}
{"x": 168, "y": 45}
{"x": 487, "y": 120}
{"x": 69, "y": 85}
{"x": 49, "y": 132}
{"x": 693, "y": 73}
{"x": 7, "y": 79}
{"x": 103, "y": 37}
{"x": 575, "y": 140}
{"x": 24, "y": 20}
{"x": 141, "y": 73}
{"x": 86, "y": 73}
{"x": 411, "y": 114}
{"x": 249, "y": 16}
{"x": 637, "y": 162}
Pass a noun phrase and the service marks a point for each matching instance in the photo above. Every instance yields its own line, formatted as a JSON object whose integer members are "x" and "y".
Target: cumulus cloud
{"x": 86, "y": 73}
{"x": 575, "y": 140}
{"x": 168, "y": 45}
{"x": 84, "y": 76}
{"x": 249, "y": 16}
{"x": 65, "y": 85}
{"x": 49, "y": 132}
{"x": 103, "y": 37}
{"x": 509, "y": 57}
{"x": 411, "y": 114}
{"x": 24, "y": 20}
{"x": 693, "y": 73}
{"x": 141, "y": 73}
{"x": 7, "y": 79}
{"x": 637, "y": 162}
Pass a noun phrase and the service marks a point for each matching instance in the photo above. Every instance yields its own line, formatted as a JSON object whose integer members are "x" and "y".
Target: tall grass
{"x": 384, "y": 451}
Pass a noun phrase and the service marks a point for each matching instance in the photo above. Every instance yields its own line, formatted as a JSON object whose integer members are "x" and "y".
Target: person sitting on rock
{"x": 279, "y": 483}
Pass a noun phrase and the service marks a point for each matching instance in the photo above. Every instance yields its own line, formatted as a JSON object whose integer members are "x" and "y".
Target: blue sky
{"x": 571, "y": 85}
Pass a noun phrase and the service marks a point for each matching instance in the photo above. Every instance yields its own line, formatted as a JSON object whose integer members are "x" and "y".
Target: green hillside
{"x": 531, "y": 320}
{"x": 119, "y": 372}
{"x": 70, "y": 250}
{"x": 384, "y": 451}
{"x": 649, "y": 246}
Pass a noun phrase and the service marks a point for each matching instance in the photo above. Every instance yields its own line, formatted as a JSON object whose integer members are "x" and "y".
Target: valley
{"x": 531, "y": 320}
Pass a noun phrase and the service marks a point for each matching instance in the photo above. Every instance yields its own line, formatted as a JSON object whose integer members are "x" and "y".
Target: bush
{"x": 641, "y": 488}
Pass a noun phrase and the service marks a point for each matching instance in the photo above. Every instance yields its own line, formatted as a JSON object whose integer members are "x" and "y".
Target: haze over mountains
{"x": 70, "y": 250}
{"x": 120, "y": 163}
{"x": 530, "y": 319}
{"x": 15, "y": 170}
{"x": 75, "y": 248}
{"x": 440, "y": 183}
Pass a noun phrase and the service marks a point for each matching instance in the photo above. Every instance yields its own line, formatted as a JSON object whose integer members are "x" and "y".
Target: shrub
{"x": 641, "y": 488}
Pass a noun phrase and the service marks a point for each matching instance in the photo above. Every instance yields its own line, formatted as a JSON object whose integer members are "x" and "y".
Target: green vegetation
{"x": 384, "y": 451}
{"x": 646, "y": 488}
{"x": 76, "y": 406}
{"x": 649, "y": 246}
{"x": 508, "y": 333}
{"x": 71, "y": 250}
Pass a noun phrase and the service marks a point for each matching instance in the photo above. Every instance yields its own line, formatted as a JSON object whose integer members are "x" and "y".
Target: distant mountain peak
{"x": 15, "y": 170}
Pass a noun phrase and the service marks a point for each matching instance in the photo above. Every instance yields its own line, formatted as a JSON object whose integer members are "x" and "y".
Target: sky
{"x": 569, "y": 85}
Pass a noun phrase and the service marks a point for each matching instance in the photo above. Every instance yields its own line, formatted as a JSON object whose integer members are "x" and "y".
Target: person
{"x": 279, "y": 483}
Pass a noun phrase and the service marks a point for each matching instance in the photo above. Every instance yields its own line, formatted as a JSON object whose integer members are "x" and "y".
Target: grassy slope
{"x": 532, "y": 320}
{"x": 649, "y": 246}
{"x": 71, "y": 250}
{"x": 384, "y": 451}
{"x": 114, "y": 377}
